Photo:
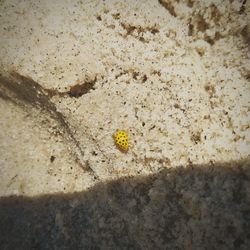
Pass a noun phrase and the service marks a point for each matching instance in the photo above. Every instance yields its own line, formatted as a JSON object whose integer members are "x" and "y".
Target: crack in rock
{"x": 23, "y": 90}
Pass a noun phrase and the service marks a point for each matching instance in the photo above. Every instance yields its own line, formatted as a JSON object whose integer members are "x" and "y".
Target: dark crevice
{"x": 138, "y": 31}
{"x": 201, "y": 24}
{"x": 130, "y": 29}
{"x": 196, "y": 137}
{"x": 246, "y": 35}
{"x": 168, "y": 6}
{"x": 190, "y": 3}
{"x": 116, "y": 16}
{"x": 81, "y": 89}
{"x": 243, "y": 7}
{"x": 136, "y": 75}
{"x": 23, "y": 90}
{"x": 216, "y": 14}
{"x": 210, "y": 89}
{"x": 217, "y": 37}
{"x": 190, "y": 29}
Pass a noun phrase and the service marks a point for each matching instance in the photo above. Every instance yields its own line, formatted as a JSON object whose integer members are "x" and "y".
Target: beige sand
{"x": 173, "y": 74}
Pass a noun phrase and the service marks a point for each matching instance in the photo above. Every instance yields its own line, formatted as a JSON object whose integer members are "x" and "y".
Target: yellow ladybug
{"x": 121, "y": 140}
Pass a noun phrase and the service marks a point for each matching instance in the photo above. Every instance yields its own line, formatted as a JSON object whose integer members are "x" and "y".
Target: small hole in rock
{"x": 52, "y": 158}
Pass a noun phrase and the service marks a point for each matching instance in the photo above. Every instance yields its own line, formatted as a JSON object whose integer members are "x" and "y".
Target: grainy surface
{"x": 203, "y": 207}
{"x": 173, "y": 74}
{"x": 177, "y": 83}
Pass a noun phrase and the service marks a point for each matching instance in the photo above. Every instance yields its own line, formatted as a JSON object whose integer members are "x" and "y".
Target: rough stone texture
{"x": 201, "y": 207}
{"x": 173, "y": 74}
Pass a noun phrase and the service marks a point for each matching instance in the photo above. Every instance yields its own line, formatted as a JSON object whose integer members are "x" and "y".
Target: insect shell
{"x": 121, "y": 140}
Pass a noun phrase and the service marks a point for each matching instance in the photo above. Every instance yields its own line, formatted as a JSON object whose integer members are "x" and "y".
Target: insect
{"x": 121, "y": 140}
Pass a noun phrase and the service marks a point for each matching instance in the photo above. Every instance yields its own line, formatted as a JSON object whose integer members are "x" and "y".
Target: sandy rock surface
{"x": 173, "y": 74}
